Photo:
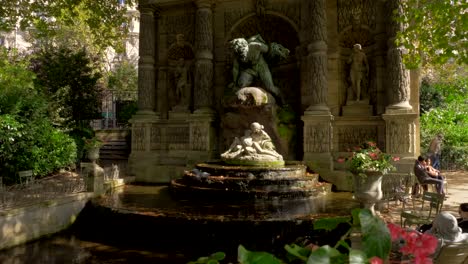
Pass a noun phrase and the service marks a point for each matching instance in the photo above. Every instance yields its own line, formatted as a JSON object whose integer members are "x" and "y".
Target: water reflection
{"x": 143, "y": 224}
{"x": 157, "y": 200}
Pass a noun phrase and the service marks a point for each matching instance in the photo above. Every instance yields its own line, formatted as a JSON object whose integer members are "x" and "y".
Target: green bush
{"x": 70, "y": 79}
{"x": 28, "y": 140}
{"x": 451, "y": 119}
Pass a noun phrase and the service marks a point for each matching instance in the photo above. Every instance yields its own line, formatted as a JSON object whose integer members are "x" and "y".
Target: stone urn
{"x": 93, "y": 154}
{"x": 368, "y": 189}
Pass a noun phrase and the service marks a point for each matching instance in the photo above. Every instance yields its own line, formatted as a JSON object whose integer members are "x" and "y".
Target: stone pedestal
{"x": 401, "y": 137}
{"x": 318, "y": 141}
{"x": 95, "y": 179}
{"x": 202, "y": 138}
{"x": 361, "y": 108}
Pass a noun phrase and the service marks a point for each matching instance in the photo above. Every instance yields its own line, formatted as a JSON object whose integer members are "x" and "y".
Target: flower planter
{"x": 368, "y": 189}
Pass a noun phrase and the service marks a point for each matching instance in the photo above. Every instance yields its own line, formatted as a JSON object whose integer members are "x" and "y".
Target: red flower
{"x": 396, "y": 158}
{"x": 373, "y": 155}
{"x": 375, "y": 260}
{"x": 341, "y": 160}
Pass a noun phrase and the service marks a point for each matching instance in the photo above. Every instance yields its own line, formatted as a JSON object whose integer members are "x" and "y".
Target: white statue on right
{"x": 359, "y": 70}
{"x": 255, "y": 145}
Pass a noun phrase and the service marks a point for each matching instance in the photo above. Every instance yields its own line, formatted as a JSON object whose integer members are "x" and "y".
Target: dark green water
{"x": 143, "y": 224}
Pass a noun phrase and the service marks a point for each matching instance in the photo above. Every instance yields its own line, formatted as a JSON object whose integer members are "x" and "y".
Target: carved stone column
{"x": 203, "y": 83}
{"x": 398, "y": 75}
{"x": 317, "y": 117}
{"x": 317, "y": 57}
{"x": 146, "y": 63}
{"x": 401, "y": 120}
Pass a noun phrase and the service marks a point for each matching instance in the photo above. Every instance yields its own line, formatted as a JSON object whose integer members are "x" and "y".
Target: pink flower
{"x": 373, "y": 155}
{"x": 396, "y": 158}
{"x": 396, "y": 232}
{"x": 375, "y": 260}
{"x": 341, "y": 160}
{"x": 372, "y": 144}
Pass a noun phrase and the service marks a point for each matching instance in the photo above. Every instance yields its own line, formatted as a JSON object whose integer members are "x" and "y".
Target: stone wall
{"x": 182, "y": 119}
{"x": 33, "y": 222}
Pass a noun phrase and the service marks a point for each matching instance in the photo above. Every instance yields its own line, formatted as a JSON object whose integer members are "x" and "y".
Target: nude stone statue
{"x": 255, "y": 145}
{"x": 359, "y": 70}
{"x": 181, "y": 81}
{"x": 250, "y": 63}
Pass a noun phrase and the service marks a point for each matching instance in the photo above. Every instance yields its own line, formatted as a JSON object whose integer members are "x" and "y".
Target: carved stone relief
{"x": 156, "y": 138}
{"x": 399, "y": 134}
{"x": 352, "y": 136}
{"x": 179, "y": 24}
{"x": 232, "y": 16}
{"x": 318, "y": 82}
{"x": 138, "y": 138}
{"x": 316, "y": 138}
{"x": 398, "y": 76}
{"x": 199, "y": 138}
{"x": 356, "y": 12}
{"x": 178, "y": 137}
{"x": 291, "y": 9}
{"x": 204, "y": 29}
{"x": 146, "y": 92}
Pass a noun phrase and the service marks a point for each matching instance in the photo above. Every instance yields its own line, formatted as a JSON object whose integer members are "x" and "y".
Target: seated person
{"x": 434, "y": 173}
{"x": 462, "y": 221}
{"x": 424, "y": 177}
{"x": 445, "y": 229}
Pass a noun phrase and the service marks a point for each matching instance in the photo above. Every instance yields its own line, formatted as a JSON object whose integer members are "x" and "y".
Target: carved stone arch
{"x": 273, "y": 26}
{"x": 352, "y": 35}
{"x": 177, "y": 51}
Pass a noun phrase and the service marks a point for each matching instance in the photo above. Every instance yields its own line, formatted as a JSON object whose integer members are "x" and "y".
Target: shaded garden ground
{"x": 457, "y": 193}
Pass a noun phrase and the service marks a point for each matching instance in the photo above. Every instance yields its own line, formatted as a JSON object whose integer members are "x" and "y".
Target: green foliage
{"x": 27, "y": 138}
{"x": 124, "y": 77}
{"x": 450, "y": 119}
{"x": 375, "y": 236}
{"x": 429, "y": 98}
{"x": 245, "y": 256}
{"x": 211, "y": 259}
{"x": 69, "y": 78}
{"x": 104, "y": 22}
{"x": 435, "y": 31}
{"x": 125, "y": 110}
{"x": 368, "y": 157}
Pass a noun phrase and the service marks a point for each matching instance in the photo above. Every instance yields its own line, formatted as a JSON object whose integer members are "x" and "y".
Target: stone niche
{"x": 185, "y": 71}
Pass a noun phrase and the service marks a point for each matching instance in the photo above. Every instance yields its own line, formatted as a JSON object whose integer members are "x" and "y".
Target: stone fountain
{"x": 250, "y": 169}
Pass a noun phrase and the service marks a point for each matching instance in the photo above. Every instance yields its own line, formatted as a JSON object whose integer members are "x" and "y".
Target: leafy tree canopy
{"x": 436, "y": 31}
{"x": 106, "y": 20}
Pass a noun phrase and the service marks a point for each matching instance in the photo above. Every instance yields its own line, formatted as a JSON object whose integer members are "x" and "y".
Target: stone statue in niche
{"x": 251, "y": 63}
{"x": 180, "y": 56}
{"x": 254, "y": 148}
{"x": 358, "y": 72}
{"x": 181, "y": 82}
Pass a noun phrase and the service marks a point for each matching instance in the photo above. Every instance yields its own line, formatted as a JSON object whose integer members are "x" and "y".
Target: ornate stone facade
{"x": 314, "y": 80}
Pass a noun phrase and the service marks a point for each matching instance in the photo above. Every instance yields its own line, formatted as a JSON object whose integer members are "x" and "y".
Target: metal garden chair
{"x": 423, "y": 210}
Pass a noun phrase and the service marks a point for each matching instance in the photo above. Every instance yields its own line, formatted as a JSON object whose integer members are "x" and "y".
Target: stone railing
{"x": 36, "y": 191}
